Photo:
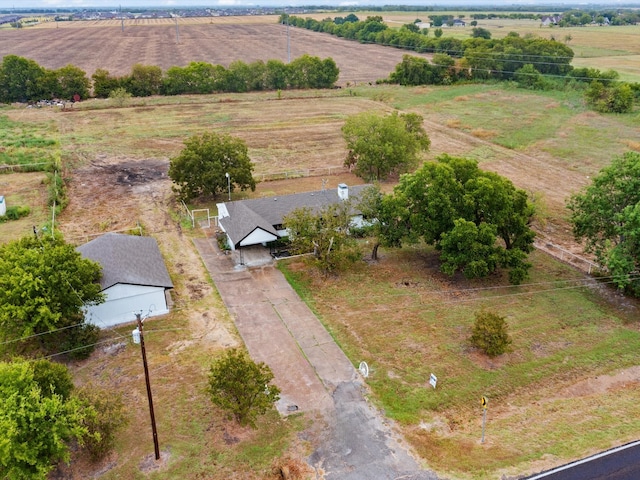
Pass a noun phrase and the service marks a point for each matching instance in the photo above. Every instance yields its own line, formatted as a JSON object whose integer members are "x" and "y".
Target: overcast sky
{"x": 113, "y": 4}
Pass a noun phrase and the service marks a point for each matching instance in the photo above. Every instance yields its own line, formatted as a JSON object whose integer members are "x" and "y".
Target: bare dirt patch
{"x": 626, "y": 378}
{"x": 118, "y": 193}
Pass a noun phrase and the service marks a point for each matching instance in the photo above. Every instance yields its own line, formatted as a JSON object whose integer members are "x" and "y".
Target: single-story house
{"x": 548, "y": 20}
{"x": 134, "y": 279}
{"x": 459, "y": 23}
{"x": 259, "y": 221}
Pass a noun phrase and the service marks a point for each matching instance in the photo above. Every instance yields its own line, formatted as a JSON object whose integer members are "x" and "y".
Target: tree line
{"x": 513, "y": 50}
{"x": 23, "y": 80}
{"x": 573, "y": 18}
{"x": 532, "y": 62}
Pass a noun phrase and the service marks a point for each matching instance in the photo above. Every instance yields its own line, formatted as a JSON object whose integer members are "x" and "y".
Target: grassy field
{"x": 407, "y": 320}
{"x": 26, "y": 145}
{"x": 604, "y": 48}
{"x": 563, "y": 335}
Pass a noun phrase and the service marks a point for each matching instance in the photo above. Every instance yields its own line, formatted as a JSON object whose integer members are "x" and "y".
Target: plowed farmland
{"x": 90, "y": 46}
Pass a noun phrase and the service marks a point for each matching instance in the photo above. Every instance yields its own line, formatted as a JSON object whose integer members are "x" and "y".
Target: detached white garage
{"x": 134, "y": 279}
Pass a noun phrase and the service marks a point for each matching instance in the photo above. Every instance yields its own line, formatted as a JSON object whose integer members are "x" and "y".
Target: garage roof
{"x": 127, "y": 259}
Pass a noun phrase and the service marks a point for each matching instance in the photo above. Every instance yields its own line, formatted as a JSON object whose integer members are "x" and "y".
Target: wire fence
{"x": 303, "y": 172}
{"x": 568, "y": 257}
{"x": 28, "y": 167}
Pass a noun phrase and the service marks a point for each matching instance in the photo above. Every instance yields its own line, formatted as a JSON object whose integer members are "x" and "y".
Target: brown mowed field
{"x": 90, "y": 46}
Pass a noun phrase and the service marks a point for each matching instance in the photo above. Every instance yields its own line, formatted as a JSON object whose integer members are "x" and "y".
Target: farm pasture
{"x": 572, "y": 368}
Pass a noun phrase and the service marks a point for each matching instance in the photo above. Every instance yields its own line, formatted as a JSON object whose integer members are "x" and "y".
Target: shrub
{"x": 15, "y": 212}
{"x": 120, "y": 97}
{"x": 52, "y": 378}
{"x": 490, "y": 334}
{"x": 110, "y": 416}
{"x": 241, "y": 387}
{"x": 78, "y": 341}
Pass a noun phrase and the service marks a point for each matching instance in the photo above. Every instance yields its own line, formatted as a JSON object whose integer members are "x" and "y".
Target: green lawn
{"x": 407, "y": 320}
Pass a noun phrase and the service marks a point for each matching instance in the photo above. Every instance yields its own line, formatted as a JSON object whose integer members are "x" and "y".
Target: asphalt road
{"x": 622, "y": 463}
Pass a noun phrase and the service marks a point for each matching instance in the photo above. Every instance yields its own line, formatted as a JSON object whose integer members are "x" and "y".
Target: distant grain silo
{"x": 3, "y": 206}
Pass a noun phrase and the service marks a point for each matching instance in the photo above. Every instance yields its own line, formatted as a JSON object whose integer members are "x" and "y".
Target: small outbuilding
{"x": 134, "y": 279}
{"x": 3, "y": 206}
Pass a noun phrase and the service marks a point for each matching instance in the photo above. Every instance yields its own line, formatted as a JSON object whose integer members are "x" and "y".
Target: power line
{"x": 40, "y": 334}
{"x": 463, "y": 300}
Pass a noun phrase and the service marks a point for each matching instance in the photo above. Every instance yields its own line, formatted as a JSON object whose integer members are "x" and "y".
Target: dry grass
{"x": 408, "y": 320}
{"x": 120, "y": 158}
{"x": 282, "y": 135}
{"x": 483, "y": 133}
{"x": 25, "y": 190}
{"x": 633, "y": 145}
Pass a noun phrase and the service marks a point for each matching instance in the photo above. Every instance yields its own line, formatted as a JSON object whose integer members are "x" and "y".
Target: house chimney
{"x": 343, "y": 191}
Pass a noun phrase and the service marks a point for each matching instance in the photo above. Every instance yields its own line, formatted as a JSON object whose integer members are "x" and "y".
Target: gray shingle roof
{"x": 127, "y": 259}
{"x": 265, "y": 213}
{"x": 242, "y": 221}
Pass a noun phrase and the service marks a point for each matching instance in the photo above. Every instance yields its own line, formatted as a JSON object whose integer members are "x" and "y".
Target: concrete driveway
{"x": 313, "y": 374}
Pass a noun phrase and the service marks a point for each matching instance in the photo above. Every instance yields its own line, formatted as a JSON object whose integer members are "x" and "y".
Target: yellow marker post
{"x": 484, "y": 402}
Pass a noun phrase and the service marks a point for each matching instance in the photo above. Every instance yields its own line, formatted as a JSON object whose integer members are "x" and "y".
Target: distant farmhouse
{"x": 548, "y": 20}
{"x": 259, "y": 221}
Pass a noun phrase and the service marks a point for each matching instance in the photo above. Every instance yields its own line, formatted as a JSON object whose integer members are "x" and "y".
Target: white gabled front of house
{"x": 123, "y": 301}
{"x": 256, "y": 237}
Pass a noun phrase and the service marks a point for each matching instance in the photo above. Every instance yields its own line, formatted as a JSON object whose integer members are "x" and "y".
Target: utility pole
{"x": 140, "y": 339}
{"x": 177, "y": 31}
{"x": 288, "y": 42}
{"x": 53, "y": 209}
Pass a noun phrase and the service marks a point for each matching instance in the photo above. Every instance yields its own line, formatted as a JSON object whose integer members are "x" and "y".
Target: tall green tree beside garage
{"x": 202, "y": 166}
{"x": 606, "y": 214}
{"x": 44, "y": 283}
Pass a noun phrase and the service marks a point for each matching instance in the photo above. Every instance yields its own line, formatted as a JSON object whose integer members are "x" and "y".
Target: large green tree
{"x": 38, "y": 419}
{"x": 44, "y": 283}
{"x": 144, "y": 80}
{"x": 202, "y": 166}
{"x": 379, "y": 146}
{"x": 311, "y": 72}
{"x": 21, "y": 79}
{"x": 196, "y": 78}
{"x": 104, "y": 83}
{"x": 606, "y": 214}
{"x": 478, "y": 220}
{"x": 66, "y": 82}
{"x": 616, "y": 98}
